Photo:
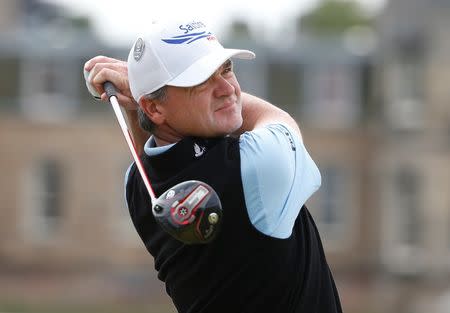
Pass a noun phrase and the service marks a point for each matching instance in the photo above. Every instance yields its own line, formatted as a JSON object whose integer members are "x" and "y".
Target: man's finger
{"x": 90, "y": 87}
{"x": 107, "y": 74}
{"x": 99, "y": 59}
{"x": 124, "y": 101}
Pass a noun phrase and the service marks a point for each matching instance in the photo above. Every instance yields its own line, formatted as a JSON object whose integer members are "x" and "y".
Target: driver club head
{"x": 190, "y": 211}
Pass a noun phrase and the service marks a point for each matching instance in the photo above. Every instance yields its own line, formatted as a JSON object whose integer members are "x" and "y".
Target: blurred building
{"x": 413, "y": 155}
{"x": 65, "y": 230}
{"x": 374, "y": 117}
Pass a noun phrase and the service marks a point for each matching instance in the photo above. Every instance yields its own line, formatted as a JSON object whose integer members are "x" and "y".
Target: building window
{"x": 405, "y": 94}
{"x": 284, "y": 85}
{"x": 44, "y": 208}
{"x": 9, "y": 82}
{"x": 407, "y": 189}
{"x": 403, "y": 223}
{"x": 49, "y": 89}
{"x": 332, "y": 95}
{"x": 332, "y": 210}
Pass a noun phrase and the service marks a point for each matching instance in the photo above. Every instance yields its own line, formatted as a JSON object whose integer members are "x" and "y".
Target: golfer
{"x": 191, "y": 121}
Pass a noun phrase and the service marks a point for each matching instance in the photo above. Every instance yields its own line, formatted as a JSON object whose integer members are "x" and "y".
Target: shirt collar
{"x": 151, "y": 149}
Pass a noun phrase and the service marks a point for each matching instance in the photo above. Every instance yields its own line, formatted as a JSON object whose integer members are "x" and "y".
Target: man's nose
{"x": 222, "y": 86}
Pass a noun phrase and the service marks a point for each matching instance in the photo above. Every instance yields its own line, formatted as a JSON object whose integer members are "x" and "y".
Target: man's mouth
{"x": 226, "y": 105}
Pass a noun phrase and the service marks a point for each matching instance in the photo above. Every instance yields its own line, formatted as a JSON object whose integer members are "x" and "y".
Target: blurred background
{"x": 366, "y": 80}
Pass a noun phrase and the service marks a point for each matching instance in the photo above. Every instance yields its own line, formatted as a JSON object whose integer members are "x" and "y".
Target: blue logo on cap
{"x": 187, "y": 38}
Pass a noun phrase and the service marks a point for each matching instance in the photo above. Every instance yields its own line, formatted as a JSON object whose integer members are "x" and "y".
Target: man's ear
{"x": 151, "y": 109}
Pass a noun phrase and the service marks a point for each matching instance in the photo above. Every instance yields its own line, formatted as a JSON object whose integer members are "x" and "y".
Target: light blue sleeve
{"x": 278, "y": 176}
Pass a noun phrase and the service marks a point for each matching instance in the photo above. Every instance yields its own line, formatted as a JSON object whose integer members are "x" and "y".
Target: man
{"x": 268, "y": 256}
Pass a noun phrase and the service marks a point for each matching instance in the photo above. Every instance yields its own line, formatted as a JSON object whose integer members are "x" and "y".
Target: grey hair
{"x": 144, "y": 121}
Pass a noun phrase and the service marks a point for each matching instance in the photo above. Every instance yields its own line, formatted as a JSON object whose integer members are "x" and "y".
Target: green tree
{"x": 239, "y": 29}
{"x": 333, "y": 17}
{"x": 80, "y": 22}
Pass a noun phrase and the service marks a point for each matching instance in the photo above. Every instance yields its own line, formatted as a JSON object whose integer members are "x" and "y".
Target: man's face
{"x": 210, "y": 109}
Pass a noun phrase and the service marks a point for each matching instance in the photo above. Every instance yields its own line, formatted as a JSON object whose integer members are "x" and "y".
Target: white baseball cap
{"x": 182, "y": 54}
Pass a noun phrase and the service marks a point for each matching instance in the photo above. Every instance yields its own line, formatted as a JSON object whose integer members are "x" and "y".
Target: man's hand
{"x": 102, "y": 69}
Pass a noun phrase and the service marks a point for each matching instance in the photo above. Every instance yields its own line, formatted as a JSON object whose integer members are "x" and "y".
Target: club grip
{"x": 110, "y": 89}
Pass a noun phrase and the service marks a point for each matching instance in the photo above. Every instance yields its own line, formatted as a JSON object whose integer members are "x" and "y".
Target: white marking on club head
{"x": 170, "y": 194}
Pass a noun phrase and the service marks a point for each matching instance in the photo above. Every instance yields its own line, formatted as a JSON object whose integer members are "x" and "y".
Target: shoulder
{"x": 276, "y": 175}
{"x": 272, "y": 148}
{"x": 272, "y": 133}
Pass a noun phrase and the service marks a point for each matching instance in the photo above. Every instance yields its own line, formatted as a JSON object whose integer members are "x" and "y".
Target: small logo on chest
{"x": 198, "y": 150}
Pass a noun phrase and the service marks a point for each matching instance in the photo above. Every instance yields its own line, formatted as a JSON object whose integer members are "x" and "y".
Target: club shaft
{"x": 124, "y": 127}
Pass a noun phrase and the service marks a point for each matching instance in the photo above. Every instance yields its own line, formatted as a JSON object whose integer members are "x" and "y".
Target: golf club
{"x": 190, "y": 211}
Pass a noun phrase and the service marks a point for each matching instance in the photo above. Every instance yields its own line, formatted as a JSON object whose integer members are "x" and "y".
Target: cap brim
{"x": 203, "y": 68}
